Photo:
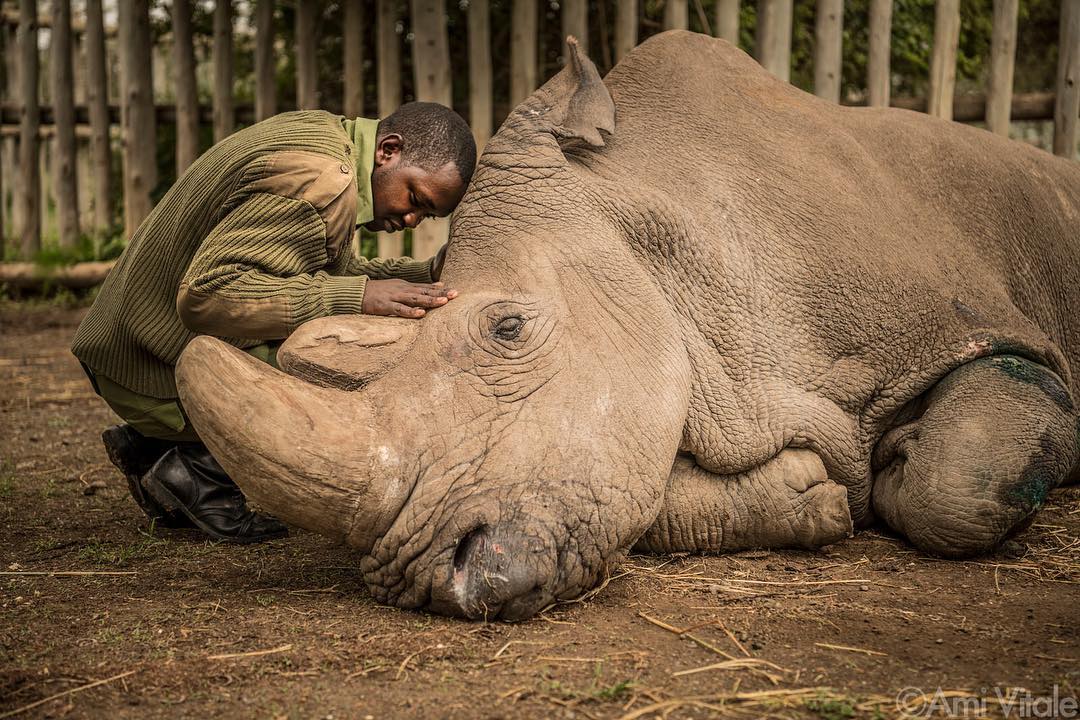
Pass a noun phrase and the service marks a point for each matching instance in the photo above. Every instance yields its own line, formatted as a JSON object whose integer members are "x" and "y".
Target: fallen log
{"x": 30, "y": 276}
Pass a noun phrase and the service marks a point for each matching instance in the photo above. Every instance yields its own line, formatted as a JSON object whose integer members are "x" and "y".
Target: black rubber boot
{"x": 134, "y": 454}
{"x": 188, "y": 479}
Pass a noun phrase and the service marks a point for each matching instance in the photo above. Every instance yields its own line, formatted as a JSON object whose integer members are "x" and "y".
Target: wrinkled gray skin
{"x": 740, "y": 316}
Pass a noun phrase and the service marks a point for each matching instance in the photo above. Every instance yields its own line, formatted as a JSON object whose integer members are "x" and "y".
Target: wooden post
{"x": 878, "y": 83}
{"x": 480, "y": 85}
{"x": 98, "y": 106}
{"x": 83, "y": 179}
{"x": 224, "y": 117}
{"x": 626, "y": 30}
{"x": 265, "y": 80}
{"x": 307, "y": 92}
{"x": 29, "y": 193}
{"x": 389, "y": 66}
{"x": 5, "y": 96}
{"x": 523, "y": 35}
{"x": 774, "y": 37}
{"x": 164, "y": 90}
{"x": 943, "y": 61}
{"x": 137, "y": 112}
{"x": 187, "y": 96}
{"x": 727, "y": 20}
{"x": 1002, "y": 62}
{"x": 82, "y": 139}
{"x": 676, "y": 15}
{"x": 431, "y": 72}
{"x": 63, "y": 93}
{"x": 575, "y": 21}
{"x": 828, "y": 48}
{"x": 354, "y": 58}
{"x": 1067, "y": 104}
{"x": 49, "y": 226}
{"x": 389, "y": 57}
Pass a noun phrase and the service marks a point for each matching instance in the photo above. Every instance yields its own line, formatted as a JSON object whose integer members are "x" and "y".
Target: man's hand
{"x": 403, "y": 298}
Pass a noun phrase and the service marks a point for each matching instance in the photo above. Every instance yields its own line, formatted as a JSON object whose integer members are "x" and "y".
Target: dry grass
{"x": 1052, "y": 555}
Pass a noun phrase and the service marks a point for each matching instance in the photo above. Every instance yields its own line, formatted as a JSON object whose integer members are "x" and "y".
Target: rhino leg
{"x": 787, "y": 502}
{"x": 993, "y": 438}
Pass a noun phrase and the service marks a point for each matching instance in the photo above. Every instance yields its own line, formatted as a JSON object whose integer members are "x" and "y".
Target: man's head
{"x": 424, "y": 157}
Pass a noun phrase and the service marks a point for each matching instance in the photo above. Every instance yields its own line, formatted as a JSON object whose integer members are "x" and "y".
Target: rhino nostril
{"x": 470, "y": 544}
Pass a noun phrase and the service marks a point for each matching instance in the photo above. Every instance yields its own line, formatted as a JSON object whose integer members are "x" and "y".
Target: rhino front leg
{"x": 994, "y": 437}
{"x": 787, "y": 502}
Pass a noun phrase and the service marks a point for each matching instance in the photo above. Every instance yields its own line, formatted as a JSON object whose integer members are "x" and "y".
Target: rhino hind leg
{"x": 786, "y": 502}
{"x": 993, "y": 438}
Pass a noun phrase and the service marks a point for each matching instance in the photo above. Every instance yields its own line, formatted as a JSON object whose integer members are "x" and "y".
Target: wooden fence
{"x": 81, "y": 122}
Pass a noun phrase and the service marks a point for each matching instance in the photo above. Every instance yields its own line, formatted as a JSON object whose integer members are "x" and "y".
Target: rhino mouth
{"x": 494, "y": 570}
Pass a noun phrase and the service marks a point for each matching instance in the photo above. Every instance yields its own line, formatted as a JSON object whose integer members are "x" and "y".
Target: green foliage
{"x": 119, "y": 554}
{"x": 831, "y": 708}
{"x": 88, "y": 248}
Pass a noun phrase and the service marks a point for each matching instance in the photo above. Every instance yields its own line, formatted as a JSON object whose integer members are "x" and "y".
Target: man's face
{"x": 404, "y": 194}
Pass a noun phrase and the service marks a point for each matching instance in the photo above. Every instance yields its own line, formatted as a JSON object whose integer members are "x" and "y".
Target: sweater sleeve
{"x": 259, "y": 273}
{"x": 417, "y": 271}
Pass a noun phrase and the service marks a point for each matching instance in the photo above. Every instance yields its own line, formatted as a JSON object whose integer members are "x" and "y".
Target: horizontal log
{"x": 966, "y": 108}
{"x": 972, "y": 108}
{"x": 10, "y": 17}
{"x": 164, "y": 113}
{"x": 30, "y": 276}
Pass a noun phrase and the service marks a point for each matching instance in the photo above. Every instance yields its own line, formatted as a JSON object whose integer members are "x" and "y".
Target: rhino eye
{"x": 508, "y": 328}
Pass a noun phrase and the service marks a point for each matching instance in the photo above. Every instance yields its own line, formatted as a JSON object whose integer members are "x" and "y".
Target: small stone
{"x": 939, "y": 641}
{"x": 864, "y": 588}
{"x": 714, "y": 589}
{"x": 93, "y": 487}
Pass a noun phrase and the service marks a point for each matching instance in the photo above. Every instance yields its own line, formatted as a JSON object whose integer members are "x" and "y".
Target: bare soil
{"x": 186, "y": 628}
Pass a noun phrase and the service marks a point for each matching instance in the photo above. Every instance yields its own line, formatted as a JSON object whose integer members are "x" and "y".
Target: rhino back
{"x": 858, "y": 253}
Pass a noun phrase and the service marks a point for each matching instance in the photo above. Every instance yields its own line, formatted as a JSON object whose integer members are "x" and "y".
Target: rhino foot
{"x": 787, "y": 502}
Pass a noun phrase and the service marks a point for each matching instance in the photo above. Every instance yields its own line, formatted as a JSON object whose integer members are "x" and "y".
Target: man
{"x": 254, "y": 239}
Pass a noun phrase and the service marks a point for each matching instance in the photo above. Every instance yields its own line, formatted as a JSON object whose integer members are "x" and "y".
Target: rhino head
{"x": 496, "y": 456}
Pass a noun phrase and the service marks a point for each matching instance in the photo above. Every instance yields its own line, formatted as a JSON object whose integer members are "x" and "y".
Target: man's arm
{"x": 260, "y": 274}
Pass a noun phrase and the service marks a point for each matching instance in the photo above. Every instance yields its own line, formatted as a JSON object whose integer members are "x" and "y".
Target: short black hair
{"x": 432, "y": 135}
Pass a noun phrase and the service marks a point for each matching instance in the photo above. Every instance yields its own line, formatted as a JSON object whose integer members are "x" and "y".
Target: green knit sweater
{"x": 254, "y": 239}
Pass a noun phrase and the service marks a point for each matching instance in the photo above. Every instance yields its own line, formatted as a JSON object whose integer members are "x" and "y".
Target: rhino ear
{"x": 574, "y": 104}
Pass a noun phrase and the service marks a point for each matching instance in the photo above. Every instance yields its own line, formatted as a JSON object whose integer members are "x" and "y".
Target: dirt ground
{"x": 170, "y": 625}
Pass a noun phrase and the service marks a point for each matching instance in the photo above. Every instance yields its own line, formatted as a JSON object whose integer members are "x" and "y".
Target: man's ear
{"x": 388, "y": 148}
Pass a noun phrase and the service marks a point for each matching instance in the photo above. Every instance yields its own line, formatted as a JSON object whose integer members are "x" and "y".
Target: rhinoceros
{"x": 700, "y": 310}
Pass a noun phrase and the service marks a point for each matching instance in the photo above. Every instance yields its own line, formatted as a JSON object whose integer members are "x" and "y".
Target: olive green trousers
{"x": 162, "y": 418}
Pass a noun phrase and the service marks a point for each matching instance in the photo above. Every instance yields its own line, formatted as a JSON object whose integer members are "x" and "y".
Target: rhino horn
{"x": 309, "y": 455}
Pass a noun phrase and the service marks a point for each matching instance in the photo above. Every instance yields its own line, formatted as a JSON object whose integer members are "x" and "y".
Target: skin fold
{"x": 699, "y": 310}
